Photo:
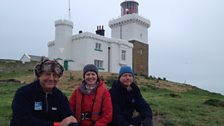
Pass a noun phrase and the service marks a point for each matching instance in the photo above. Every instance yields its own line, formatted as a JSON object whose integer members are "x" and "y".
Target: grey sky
{"x": 186, "y": 36}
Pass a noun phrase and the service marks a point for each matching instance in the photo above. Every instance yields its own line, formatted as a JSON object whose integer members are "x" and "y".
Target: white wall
{"x": 79, "y": 52}
{"x": 25, "y": 59}
{"x": 82, "y": 51}
{"x": 130, "y": 27}
{"x": 134, "y": 31}
{"x": 63, "y": 37}
{"x": 115, "y": 52}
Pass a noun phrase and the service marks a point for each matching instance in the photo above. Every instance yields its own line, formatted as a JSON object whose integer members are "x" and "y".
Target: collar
{"x": 40, "y": 90}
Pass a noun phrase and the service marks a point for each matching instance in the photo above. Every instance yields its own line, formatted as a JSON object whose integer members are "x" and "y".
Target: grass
{"x": 7, "y": 91}
{"x": 13, "y": 74}
{"x": 188, "y": 109}
{"x": 170, "y": 108}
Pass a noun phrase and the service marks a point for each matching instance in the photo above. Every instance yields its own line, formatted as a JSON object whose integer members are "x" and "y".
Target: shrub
{"x": 214, "y": 102}
{"x": 174, "y": 95}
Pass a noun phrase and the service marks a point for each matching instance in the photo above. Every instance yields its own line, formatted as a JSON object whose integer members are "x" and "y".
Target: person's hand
{"x": 66, "y": 121}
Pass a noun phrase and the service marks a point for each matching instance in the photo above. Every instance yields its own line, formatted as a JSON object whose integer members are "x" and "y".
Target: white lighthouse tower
{"x": 134, "y": 28}
{"x": 60, "y": 49}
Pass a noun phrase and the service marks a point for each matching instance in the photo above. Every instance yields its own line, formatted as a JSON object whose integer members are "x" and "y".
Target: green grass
{"x": 13, "y": 74}
{"x": 7, "y": 91}
{"x": 187, "y": 109}
{"x": 169, "y": 108}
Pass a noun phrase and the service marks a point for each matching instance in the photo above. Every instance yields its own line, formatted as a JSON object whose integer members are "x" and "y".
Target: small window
{"x": 141, "y": 51}
{"x": 141, "y": 35}
{"x": 123, "y": 55}
{"x": 98, "y": 47}
{"x": 98, "y": 63}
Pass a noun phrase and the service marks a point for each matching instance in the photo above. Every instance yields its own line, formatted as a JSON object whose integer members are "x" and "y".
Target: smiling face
{"x": 90, "y": 78}
{"x": 126, "y": 79}
{"x": 48, "y": 81}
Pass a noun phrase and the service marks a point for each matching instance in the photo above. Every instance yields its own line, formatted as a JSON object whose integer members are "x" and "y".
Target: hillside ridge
{"x": 72, "y": 78}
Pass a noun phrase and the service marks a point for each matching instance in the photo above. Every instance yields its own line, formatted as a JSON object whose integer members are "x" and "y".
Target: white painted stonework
{"x": 108, "y": 54}
{"x": 130, "y": 27}
{"x": 25, "y": 58}
{"x": 81, "y": 49}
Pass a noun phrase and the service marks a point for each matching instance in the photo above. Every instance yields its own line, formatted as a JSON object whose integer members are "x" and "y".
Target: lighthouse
{"x": 134, "y": 28}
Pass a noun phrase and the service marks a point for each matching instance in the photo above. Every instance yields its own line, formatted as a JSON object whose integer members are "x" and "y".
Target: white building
{"x": 28, "y": 58}
{"x": 75, "y": 51}
{"x": 128, "y": 45}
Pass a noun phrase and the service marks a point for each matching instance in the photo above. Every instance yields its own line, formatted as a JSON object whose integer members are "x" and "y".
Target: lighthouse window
{"x": 141, "y": 51}
{"x": 98, "y": 63}
{"x": 123, "y": 55}
{"x": 98, "y": 47}
{"x": 140, "y": 35}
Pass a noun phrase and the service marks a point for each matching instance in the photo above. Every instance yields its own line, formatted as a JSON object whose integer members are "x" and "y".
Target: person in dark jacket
{"x": 129, "y": 107}
{"x": 41, "y": 103}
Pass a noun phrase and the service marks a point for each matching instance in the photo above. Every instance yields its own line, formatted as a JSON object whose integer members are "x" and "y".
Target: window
{"x": 123, "y": 55}
{"x": 98, "y": 63}
{"x": 98, "y": 47}
{"x": 141, "y": 35}
{"x": 141, "y": 51}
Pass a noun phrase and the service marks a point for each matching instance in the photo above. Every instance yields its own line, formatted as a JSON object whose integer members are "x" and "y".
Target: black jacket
{"x": 32, "y": 107}
{"x": 126, "y": 102}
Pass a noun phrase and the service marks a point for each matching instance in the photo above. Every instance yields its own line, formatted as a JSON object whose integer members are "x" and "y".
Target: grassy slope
{"x": 185, "y": 109}
{"x": 173, "y": 104}
{"x": 7, "y": 91}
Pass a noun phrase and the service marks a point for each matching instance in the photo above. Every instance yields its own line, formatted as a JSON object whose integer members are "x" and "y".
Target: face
{"x": 126, "y": 79}
{"x": 48, "y": 80}
{"x": 90, "y": 78}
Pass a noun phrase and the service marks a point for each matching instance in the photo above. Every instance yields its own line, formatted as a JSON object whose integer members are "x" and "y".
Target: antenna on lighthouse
{"x": 69, "y": 10}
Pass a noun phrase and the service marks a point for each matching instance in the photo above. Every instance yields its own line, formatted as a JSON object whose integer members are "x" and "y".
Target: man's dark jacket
{"x": 32, "y": 107}
{"x": 126, "y": 102}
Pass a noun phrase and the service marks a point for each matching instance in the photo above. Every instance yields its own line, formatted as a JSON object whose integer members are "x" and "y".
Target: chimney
{"x": 100, "y": 30}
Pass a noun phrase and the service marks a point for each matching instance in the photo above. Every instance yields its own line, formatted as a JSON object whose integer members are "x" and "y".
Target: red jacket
{"x": 99, "y": 106}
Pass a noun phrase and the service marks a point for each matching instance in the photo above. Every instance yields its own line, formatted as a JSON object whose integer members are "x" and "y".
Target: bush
{"x": 214, "y": 102}
{"x": 174, "y": 95}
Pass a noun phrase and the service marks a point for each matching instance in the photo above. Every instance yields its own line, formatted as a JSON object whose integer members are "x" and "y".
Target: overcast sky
{"x": 186, "y": 37}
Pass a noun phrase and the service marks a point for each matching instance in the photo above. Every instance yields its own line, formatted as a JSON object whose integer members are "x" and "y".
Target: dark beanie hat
{"x": 90, "y": 67}
{"x": 125, "y": 69}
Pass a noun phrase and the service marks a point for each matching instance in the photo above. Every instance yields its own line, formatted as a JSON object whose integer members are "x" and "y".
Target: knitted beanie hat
{"x": 90, "y": 67}
{"x": 125, "y": 69}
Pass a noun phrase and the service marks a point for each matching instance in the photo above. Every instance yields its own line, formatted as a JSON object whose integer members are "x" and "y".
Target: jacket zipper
{"x": 46, "y": 102}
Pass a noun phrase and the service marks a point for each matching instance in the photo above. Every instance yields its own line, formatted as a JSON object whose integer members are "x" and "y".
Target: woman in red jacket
{"x": 91, "y": 102}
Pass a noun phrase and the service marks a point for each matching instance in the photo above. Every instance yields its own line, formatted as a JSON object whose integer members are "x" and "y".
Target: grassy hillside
{"x": 173, "y": 104}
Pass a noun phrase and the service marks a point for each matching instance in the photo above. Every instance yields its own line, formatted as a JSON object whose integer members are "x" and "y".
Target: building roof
{"x": 35, "y": 58}
{"x": 129, "y": 18}
{"x": 32, "y": 57}
{"x": 102, "y": 38}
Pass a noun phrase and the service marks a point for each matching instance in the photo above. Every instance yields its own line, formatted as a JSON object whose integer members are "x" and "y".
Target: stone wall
{"x": 15, "y": 65}
{"x": 140, "y": 58}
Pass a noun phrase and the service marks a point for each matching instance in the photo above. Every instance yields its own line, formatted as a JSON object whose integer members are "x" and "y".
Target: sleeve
{"x": 142, "y": 106}
{"x": 106, "y": 111}
{"x": 118, "y": 116}
{"x": 22, "y": 107}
